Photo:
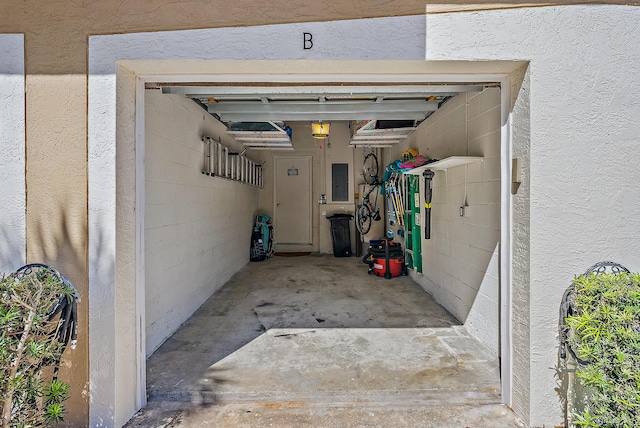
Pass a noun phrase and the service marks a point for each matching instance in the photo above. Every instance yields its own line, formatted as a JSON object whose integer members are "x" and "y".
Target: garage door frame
{"x": 129, "y": 383}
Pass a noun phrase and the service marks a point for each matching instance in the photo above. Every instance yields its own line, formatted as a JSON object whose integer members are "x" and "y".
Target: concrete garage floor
{"x": 315, "y": 341}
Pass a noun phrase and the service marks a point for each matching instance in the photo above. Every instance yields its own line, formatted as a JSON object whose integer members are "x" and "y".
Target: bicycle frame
{"x": 366, "y": 200}
{"x": 368, "y": 210}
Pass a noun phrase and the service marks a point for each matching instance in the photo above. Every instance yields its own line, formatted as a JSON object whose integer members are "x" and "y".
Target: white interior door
{"x": 292, "y": 200}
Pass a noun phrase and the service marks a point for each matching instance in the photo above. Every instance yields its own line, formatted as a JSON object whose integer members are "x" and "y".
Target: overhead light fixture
{"x": 320, "y": 129}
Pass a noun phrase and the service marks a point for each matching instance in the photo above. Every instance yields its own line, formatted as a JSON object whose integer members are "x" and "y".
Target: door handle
{"x": 278, "y": 204}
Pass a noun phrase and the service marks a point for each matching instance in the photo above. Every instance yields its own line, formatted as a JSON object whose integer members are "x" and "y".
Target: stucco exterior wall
{"x": 584, "y": 87}
{"x": 63, "y": 193}
{"x": 197, "y": 228}
{"x": 12, "y": 155}
{"x": 125, "y": 230}
{"x": 520, "y": 318}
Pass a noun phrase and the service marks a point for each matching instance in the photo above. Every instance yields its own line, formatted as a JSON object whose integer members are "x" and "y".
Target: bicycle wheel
{"x": 370, "y": 168}
{"x": 363, "y": 219}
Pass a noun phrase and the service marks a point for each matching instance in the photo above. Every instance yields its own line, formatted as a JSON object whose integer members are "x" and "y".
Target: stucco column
{"x": 56, "y": 182}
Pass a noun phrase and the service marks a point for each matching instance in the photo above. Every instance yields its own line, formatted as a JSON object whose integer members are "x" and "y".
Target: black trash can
{"x": 340, "y": 234}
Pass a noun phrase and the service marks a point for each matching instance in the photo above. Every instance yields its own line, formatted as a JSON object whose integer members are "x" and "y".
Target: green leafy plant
{"x": 29, "y": 346}
{"x": 605, "y": 335}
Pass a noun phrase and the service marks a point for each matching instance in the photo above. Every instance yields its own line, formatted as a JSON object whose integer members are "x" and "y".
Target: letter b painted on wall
{"x": 307, "y": 40}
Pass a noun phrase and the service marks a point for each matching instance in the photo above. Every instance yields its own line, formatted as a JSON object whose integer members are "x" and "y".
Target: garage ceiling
{"x": 330, "y": 102}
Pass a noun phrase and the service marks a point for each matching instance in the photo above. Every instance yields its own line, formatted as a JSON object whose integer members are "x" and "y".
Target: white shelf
{"x": 445, "y": 164}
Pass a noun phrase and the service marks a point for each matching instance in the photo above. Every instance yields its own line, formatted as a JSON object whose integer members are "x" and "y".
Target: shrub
{"x": 29, "y": 342}
{"x": 606, "y": 336}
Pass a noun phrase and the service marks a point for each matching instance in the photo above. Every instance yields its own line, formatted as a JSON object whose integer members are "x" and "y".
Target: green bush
{"x": 605, "y": 330}
{"x": 29, "y": 396}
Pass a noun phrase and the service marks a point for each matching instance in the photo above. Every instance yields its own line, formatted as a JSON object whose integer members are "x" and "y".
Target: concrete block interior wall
{"x": 197, "y": 228}
{"x": 460, "y": 261}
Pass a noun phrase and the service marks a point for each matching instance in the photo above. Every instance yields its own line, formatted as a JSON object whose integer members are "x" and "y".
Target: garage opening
{"x": 119, "y": 364}
{"x": 213, "y": 158}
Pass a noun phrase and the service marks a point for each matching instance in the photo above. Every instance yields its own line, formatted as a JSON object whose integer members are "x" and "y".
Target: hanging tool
{"x": 391, "y": 200}
{"x": 428, "y": 193}
{"x": 398, "y": 194}
{"x": 390, "y": 209}
{"x": 395, "y": 198}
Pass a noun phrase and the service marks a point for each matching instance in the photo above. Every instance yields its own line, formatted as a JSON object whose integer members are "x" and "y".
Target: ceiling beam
{"x": 344, "y": 107}
{"x": 307, "y": 115}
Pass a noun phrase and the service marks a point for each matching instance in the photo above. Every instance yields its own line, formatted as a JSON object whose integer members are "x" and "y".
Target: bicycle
{"x": 369, "y": 210}
{"x": 370, "y": 169}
